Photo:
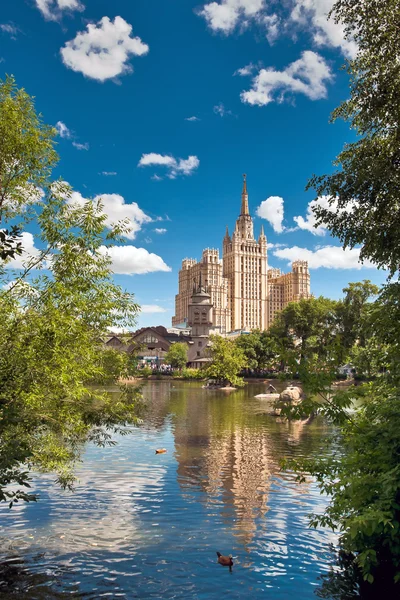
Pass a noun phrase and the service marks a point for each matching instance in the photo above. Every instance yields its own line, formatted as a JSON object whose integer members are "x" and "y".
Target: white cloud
{"x": 312, "y": 16}
{"x": 52, "y": 9}
{"x": 271, "y": 209}
{"x": 11, "y": 29}
{"x": 308, "y": 222}
{"x": 245, "y": 71}
{"x": 63, "y": 130}
{"x": 219, "y": 109}
{"x": 227, "y": 14}
{"x": 160, "y": 230}
{"x": 289, "y": 17}
{"x": 174, "y": 166}
{"x": 129, "y": 260}
{"x": 102, "y": 52}
{"x": 329, "y": 257}
{"x": 79, "y": 146}
{"x": 29, "y": 251}
{"x": 192, "y": 119}
{"x": 271, "y": 24}
{"x": 66, "y": 133}
{"x": 108, "y": 173}
{"x": 152, "y": 308}
{"x": 308, "y": 75}
{"x": 116, "y": 209}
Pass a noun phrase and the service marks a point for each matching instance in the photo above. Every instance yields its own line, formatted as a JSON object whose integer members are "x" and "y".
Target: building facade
{"x": 245, "y": 292}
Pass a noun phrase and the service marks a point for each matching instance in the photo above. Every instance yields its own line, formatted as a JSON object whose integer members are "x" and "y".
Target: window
{"x": 150, "y": 339}
{"x": 198, "y": 353}
{"x": 199, "y": 344}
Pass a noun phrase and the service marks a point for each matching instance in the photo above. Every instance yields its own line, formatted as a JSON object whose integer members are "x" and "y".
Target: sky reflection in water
{"x": 141, "y": 525}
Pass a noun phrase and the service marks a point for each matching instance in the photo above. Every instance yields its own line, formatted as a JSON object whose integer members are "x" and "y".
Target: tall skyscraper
{"x": 245, "y": 293}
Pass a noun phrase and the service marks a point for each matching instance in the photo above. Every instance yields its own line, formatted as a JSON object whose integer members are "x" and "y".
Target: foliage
{"x": 227, "y": 361}
{"x": 27, "y": 156}
{"x": 177, "y": 355}
{"x": 53, "y": 312}
{"x": 363, "y": 480}
{"x": 305, "y": 327}
{"x": 353, "y": 313}
{"x": 113, "y": 365}
{"x": 363, "y": 191}
{"x": 259, "y": 348}
{"x": 187, "y": 373}
{"x": 145, "y": 372}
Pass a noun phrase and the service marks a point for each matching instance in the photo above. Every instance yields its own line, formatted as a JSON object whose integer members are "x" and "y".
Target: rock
{"x": 291, "y": 394}
{"x": 267, "y": 396}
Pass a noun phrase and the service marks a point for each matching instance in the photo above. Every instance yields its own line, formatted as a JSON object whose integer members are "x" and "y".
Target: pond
{"x": 141, "y": 525}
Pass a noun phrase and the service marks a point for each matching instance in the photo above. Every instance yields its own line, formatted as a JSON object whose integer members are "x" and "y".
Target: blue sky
{"x": 258, "y": 80}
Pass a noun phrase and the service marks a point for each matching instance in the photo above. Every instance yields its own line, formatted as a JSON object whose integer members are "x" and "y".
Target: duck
{"x": 160, "y": 451}
{"x": 225, "y": 561}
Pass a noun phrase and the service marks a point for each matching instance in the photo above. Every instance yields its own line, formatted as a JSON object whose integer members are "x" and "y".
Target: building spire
{"x": 227, "y": 233}
{"x": 200, "y": 282}
{"x": 245, "y": 198}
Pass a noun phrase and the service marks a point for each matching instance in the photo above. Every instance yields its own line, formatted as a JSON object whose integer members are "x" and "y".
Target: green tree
{"x": 353, "y": 311}
{"x": 259, "y": 348}
{"x": 27, "y": 157}
{"x": 364, "y": 191}
{"x": 227, "y": 361}
{"x": 364, "y": 481}
{"x": 308, "y": 326}
{"x": 177, "y": 355}
{"x": 53, "y": 311}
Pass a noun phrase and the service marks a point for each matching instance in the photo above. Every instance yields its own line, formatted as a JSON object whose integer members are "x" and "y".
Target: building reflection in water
{"x": 226, "y": 447}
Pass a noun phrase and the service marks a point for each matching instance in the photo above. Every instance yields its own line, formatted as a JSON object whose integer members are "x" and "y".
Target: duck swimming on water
{"x": 225, "y": 561}
{"x": 160, "y": 451}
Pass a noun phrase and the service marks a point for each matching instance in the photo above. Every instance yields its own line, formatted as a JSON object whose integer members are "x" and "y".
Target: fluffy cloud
{"x": 324, "y": 32}
{"x": 129, "y": 260}
{"x": 308, "y": 222}
{"x": 29, "y": 251}
{"x": 63, "y": 130}
{"x": 116, "y": 209}
{"x": 52, "y": 9}
{"x": 174, "y": 166}
{"x": 276, "y": 19}
{"x": 160, "y": 230}
{"x": 192, "y": 119}
{"x": 227, "y": 14}
{"x": 271, "y": 209}
{"x": 102, "y": 52}
{"x": 330, "y": 257}
{"x": 308, "y": 75}
{"x": 152, "y": 308}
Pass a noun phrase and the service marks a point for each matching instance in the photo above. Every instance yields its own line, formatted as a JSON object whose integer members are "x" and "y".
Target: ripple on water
{"x": 141, "y": 525}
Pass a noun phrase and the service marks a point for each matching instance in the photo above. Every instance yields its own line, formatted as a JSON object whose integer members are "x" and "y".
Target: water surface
{"x": 141, "y": 525}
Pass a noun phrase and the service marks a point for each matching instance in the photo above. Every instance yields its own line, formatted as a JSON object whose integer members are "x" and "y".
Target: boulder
{"x": 291, "y": 394}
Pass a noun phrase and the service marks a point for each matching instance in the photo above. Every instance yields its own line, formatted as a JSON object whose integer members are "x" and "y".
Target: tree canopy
{"x": 177, "y": 355}
{"x": 55, "y": 306}
{"x": 227, "y": 361}
{"x": 364, "y": 190}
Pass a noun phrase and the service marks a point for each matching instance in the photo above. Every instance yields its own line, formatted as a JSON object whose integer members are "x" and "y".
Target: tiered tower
{"x": 244, "y": 292}
{"x": 244, "y": 262}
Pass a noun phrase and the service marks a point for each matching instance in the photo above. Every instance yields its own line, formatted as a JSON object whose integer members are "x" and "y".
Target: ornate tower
{"x": 245, "y": 266}
{"x": 200, "y": 319}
